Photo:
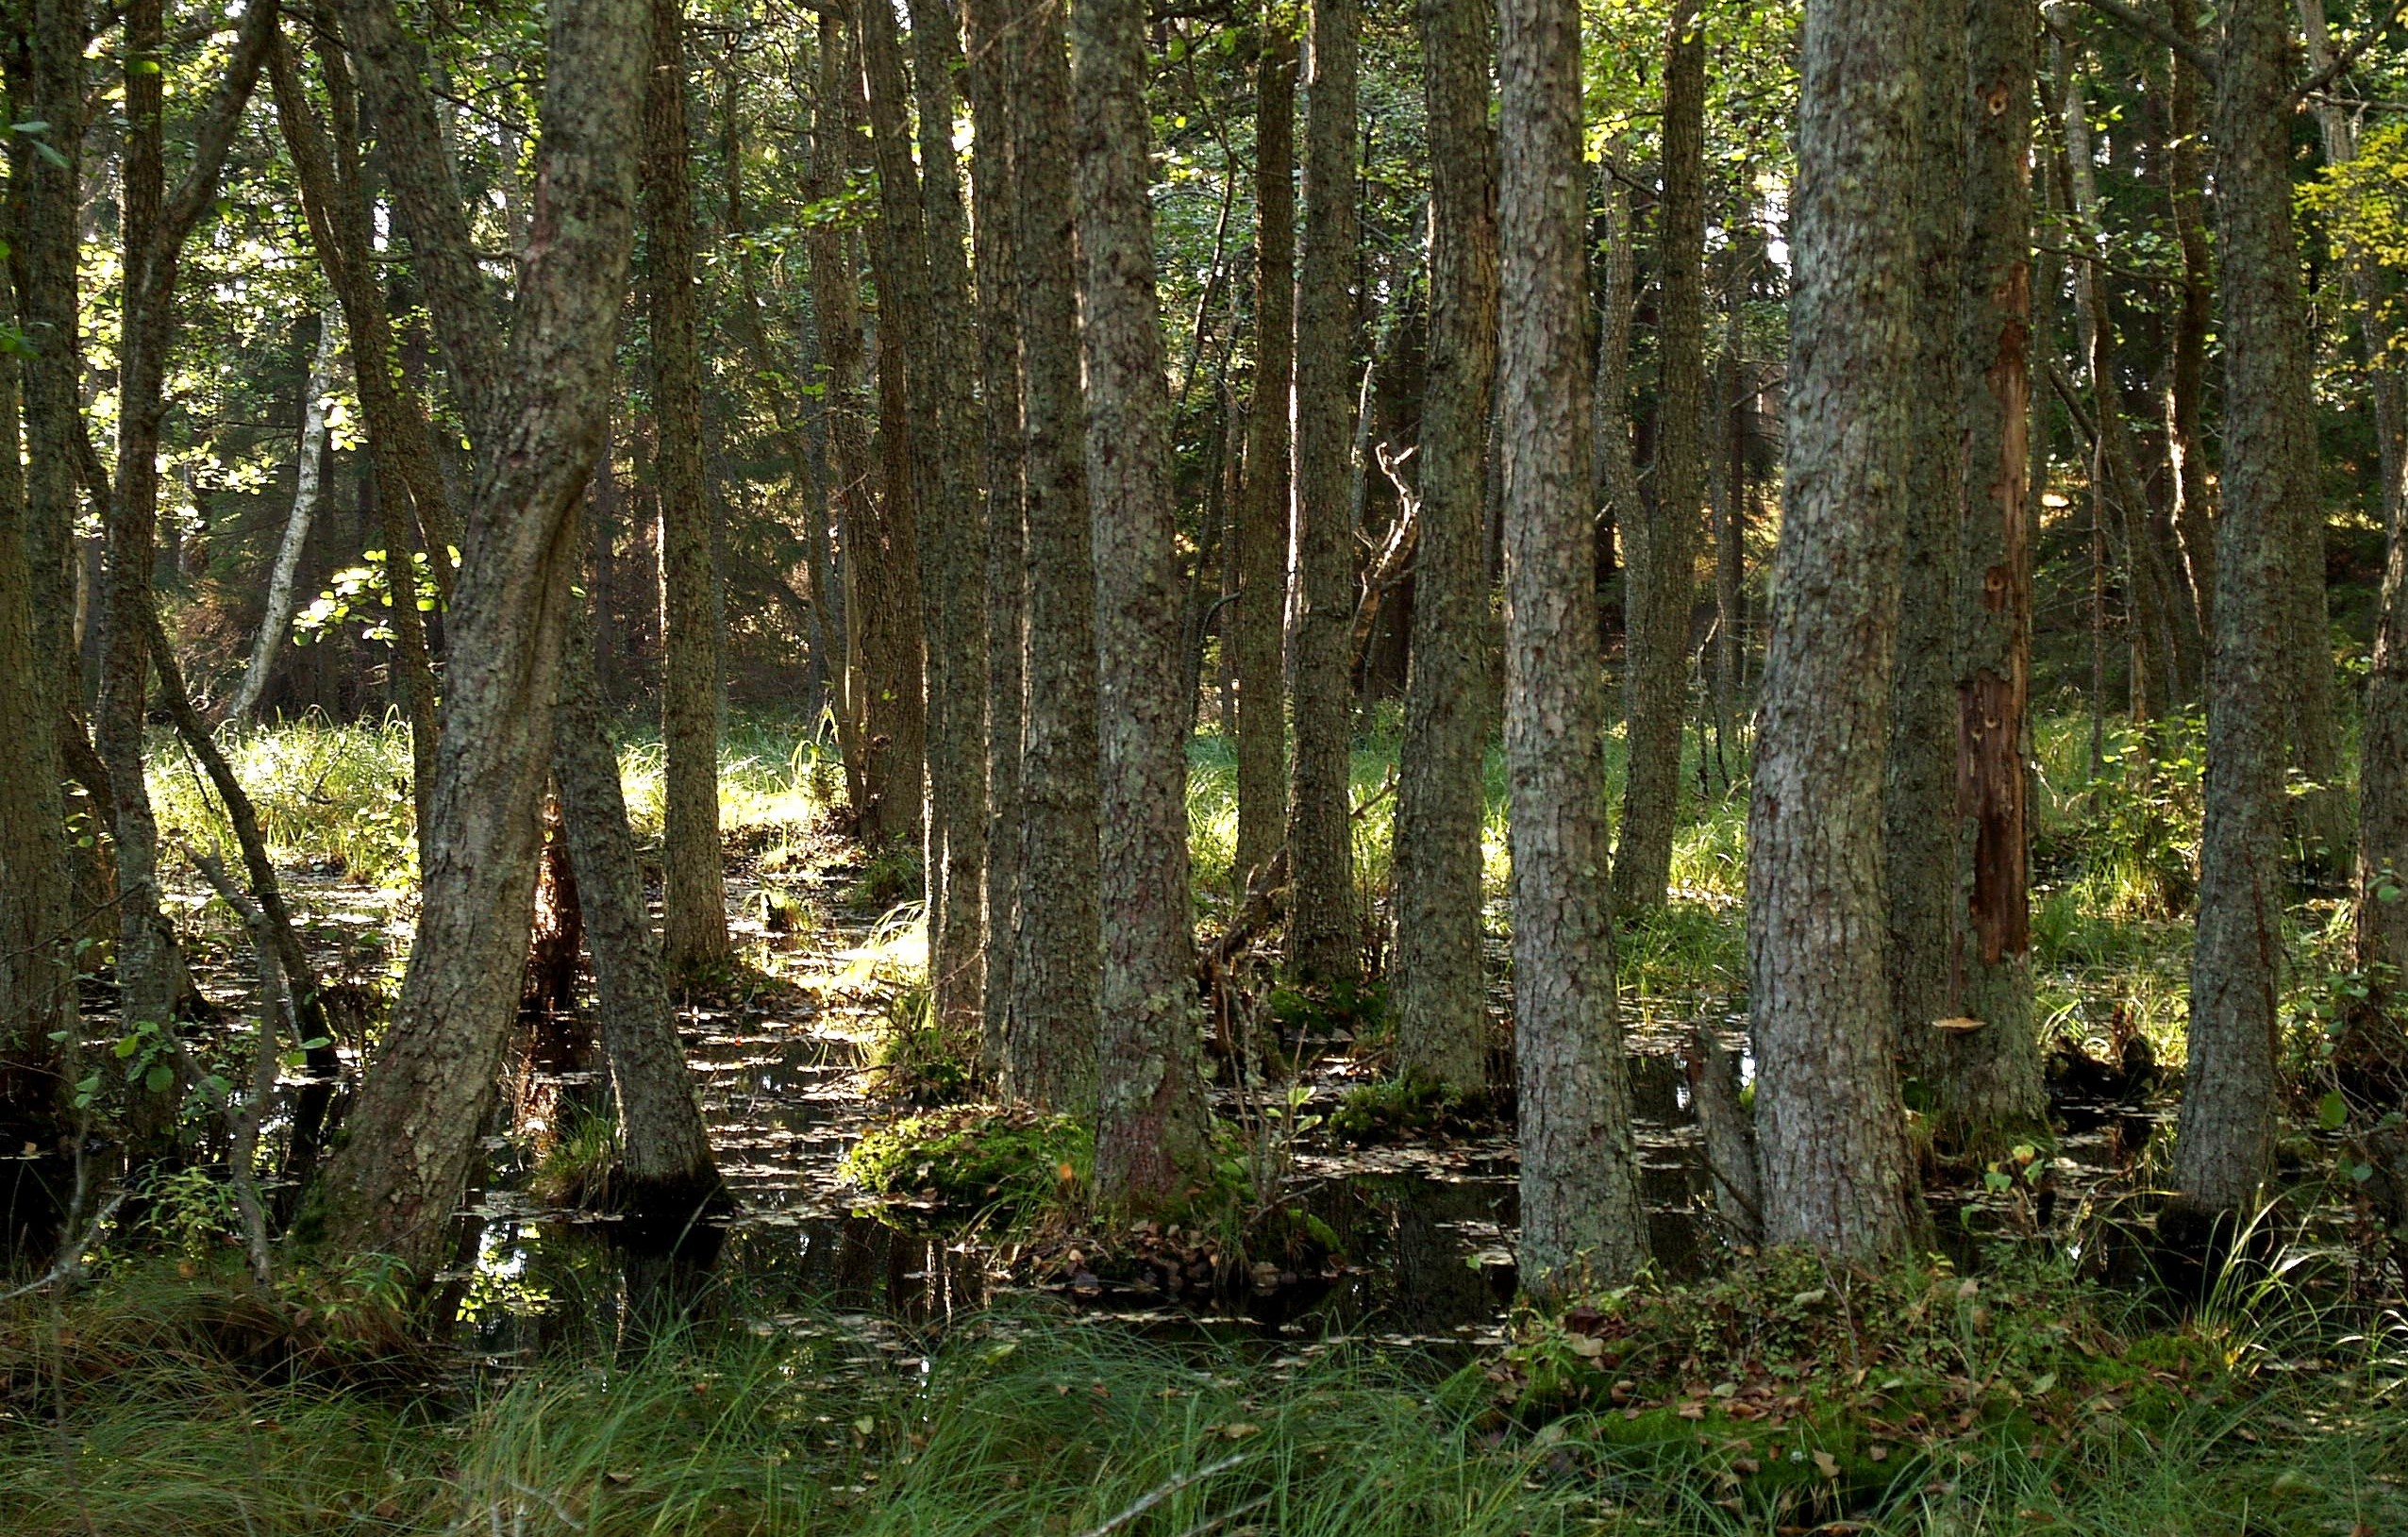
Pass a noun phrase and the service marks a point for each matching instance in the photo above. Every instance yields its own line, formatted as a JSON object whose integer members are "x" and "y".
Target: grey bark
{"x": 1441, "y": 1008}
{"x": 1830, "y": 1127}
{"x": 2226, "y": 1142}
{"x": 1663, "y": 540}
{"x": 1324, "y": 938}
{"x": 1151, "y": 1127}
{"x": 1581, "y": 1213}
{"x": 1259, "y": 544}
{"x": 1049, "y": 1056}
{"x": 426, "y": 1091}
{"x": 693, "y": 891}
{"x": 308, "y": 462}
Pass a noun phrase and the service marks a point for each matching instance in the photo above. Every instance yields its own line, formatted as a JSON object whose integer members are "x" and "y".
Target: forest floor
{"x": 919, "y": 1362}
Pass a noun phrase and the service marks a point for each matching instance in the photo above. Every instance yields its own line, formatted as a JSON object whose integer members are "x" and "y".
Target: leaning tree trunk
{"x": 954, "y": 540}
{"x": 1920, "y": 794}
{"x": 1580, "y": 1170}
{"x": 1441, "y": 1009}
{"x": 306, "y": 479}
{"x": 1662, "y": 539}
{"x": 1152, "y": 1126}
{"x": 1831, "y": 1132}
{"x": 693, "y": 889}
{"x": 1049, "y": 1057}
{"x": 666, "y": 1171}
{"x": 2226, "y": 1145}
{"x": 1984, "y": 1083}
{"x": 989, "y": 84}
{"x": 1325, "y": 941}
{"x": 432, "y": 1082}
{"x": 1260, "y": 552}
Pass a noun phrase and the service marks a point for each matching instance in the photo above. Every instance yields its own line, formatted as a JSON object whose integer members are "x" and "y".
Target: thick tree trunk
{"x": 1151, "y": 1127}
{"x": 1441, "y": 1009}
{"x": 664, "y": 1148}
{"x": 432, "y": 1079}
{"x": 694, "y": 889}
{"x": 307, "y": 478}
{"x": 1663, "y": 540}
{"x": 1324, "y": 939}
{"x": 1257, "y": 618}
{"x": 1049, "y": 1058}
{"x": 1985, "y": 1083}
{"x": 989, "y": 83}
{"x": 1830, "y": 1127}
{"x": 1581, "y": 1213}
{"x": 2226, "y": 1145}
{"x": 1920, "y": 828}
{"x": 953, "y": 541}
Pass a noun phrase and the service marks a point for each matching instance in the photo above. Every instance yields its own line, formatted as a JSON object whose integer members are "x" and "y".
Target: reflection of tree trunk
{"x": 1151, "y": 1124}
{"x": 1578, "y": 1178}
{"x": 310, "y": 461}
{"x": 1441, "y": 1009}
{"x": 1663, "y": 540}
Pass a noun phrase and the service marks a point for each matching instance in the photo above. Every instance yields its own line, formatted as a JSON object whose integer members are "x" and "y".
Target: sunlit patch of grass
{"x": 326, "y": 794}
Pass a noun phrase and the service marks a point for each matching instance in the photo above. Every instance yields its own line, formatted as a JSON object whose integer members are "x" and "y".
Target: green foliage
{"x": 977, "y": 1159}
{"x": 1395, "y": 1109}
{"x": 918, "y": 1058}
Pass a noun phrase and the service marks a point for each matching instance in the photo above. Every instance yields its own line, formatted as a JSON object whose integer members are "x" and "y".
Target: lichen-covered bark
{"x": 392, "y": 1189}
{"x": 1581, "y": 1213}
{"x": 1049, "y": 1058}
{"x": 1324, "y": 940}
{"x": 1258, "y": 617}
{"x": 693, "y": 889}
{"x": 1662, "y": 540}
{"x": 988, "y": 83}
{"x": 2226, "y": 1145}
{"x": 1150, "y": 1121}
{"x": 1441, "y": 1009}
{"x": 1831, "y": 1130}
{"x": 1986, "y": 1084}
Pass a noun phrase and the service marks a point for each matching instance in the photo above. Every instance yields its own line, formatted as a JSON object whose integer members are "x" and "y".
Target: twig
{"x": 242, "y": 1125}
{"x": 1165, "y": 1492}
{"x": 69, "y": 1263}
{"x": 2133, "y": 19}
{"x": 2341, "y": 62}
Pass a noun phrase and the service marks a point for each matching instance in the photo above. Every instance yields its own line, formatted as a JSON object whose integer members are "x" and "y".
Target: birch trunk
{"x": 296, "y": 523}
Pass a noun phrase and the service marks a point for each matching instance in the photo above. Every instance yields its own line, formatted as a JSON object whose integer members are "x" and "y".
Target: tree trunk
{"x": 2226, "y": 1144}
{"x": 1616, "y": 469}
{"x": 989, "y": 83}
{"x": 666, "y": 1168}
{"x": 1581, "y": 1213}
{"x": 311, "y": 459}
{"x": 693, "y": 890}
{"x": 953, "y": 541}
{"x": 432, "y": 1079}
{"x": 1661, "y": 540}
{"x": 1441, "y": 1009}
{"x": 1828, "y": 1124}
{"x": 1258, "y": 617}
{"x": 2186, "y": 176}
{"x": 1324, "y": 940}
{"x": 2382, "y": 780}
{"x": 1050, "y": 1054}
{"x": 1152, "y": 1126}
{"x": 1986, "y": 1089}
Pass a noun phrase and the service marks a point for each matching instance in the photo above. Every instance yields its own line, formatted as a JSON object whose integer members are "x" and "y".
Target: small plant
{"x": 917, "y": 1058}
{"x": 1395, "y": 1109}
{"x": 977, "y": 1159}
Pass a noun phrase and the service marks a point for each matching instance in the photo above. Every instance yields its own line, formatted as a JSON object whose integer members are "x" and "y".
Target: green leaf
{"x": 160, "y": 1078}
{"x": 2333, "y": 1112}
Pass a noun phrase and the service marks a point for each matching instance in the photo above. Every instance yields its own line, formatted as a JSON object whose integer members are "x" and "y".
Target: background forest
{"x": 1481, "y": 766}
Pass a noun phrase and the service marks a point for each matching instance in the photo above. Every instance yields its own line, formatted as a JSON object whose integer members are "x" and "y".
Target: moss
{"x": 975, "y": 1159}
{"x": 1399, "y": 1110}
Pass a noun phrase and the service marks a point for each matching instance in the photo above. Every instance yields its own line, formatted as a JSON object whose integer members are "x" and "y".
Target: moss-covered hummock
{"x": 978, "y": 1158}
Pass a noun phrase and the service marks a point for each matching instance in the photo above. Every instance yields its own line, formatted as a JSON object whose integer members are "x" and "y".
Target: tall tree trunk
{"x": 1737, "y": 409}
{"x": 1987, "y": 1088}
{"x": 2226, "y": 1145}
{"x": 1152, "y": 1126}
{"x": 989, "y": 83}
{"x": 1580, "y": 1169}
{"x": 1049, "y": 1058}
{"x": 1617, "y": 468}
{"x": 1325, "y": 941}
{"x": 1663, "y": 540}
{"x": 1829, "y": 1129}
{"x": 310, "y": 461}
{"x": 2382, "y": 930}
{"x": 693, "y": 890}
{"x": 1920, "y": 828}
{"x": 953, "y": 543}
{"x": 667, "y": 1170}
{"x": 1258, "y": 617}
{"x": 427, "y": 1089}
{"x": 2186, "y": 176}
{"x": 1441, "y": 1010}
